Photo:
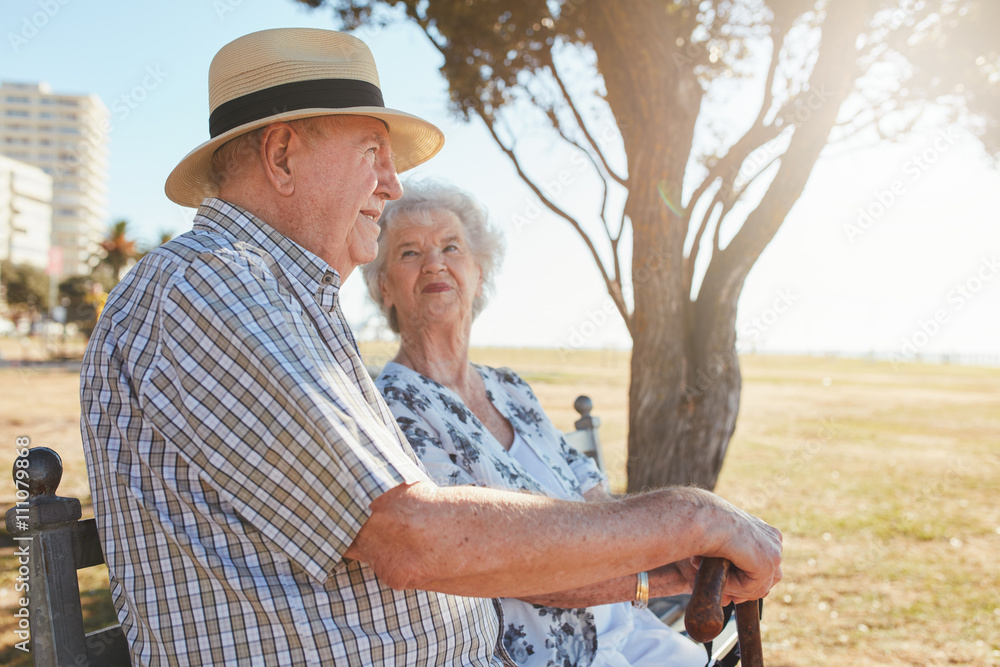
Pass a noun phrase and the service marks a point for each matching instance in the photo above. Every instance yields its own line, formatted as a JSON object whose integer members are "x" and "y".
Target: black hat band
{"x": 315, "y": 94}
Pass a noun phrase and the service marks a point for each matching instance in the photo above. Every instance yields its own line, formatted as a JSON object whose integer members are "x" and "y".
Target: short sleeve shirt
{"x": 234, "y": 443}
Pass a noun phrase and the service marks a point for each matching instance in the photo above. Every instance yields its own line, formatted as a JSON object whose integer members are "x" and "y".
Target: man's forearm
{"x": 489, "y": 543}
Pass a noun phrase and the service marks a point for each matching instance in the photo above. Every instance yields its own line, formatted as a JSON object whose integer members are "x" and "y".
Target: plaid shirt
{"x": 234, "y": 443}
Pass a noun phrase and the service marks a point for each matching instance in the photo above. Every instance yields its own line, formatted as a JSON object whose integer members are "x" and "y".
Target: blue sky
{"x": 893, "y": 250}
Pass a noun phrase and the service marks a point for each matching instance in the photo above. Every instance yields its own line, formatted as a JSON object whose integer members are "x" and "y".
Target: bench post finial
{"x": 586, "y": 427}
{"x": 584, "y": 405}
{"x": 42, "y": 527}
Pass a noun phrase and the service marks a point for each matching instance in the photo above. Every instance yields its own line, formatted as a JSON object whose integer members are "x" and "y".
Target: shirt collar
{"x": 300, "y": 265}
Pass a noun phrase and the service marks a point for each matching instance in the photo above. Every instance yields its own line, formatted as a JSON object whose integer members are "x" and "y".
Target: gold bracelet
{"x": 641, "y": 592}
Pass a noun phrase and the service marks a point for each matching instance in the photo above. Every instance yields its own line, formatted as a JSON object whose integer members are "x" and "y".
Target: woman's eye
{"x": 450, "y": 246}
{"x": 409, "y": 253}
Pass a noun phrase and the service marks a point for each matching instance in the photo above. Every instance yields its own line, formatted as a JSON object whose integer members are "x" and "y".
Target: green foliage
{"x": 26, "y": 288}
{"x": 75, "y": 295}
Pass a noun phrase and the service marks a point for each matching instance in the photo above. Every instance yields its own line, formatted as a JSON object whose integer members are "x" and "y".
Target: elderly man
{"x": 256, "y": 502}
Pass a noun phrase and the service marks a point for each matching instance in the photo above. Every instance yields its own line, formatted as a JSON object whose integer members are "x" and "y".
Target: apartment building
{"x": 25, "y": 213}
{"x": 66, "y": 137}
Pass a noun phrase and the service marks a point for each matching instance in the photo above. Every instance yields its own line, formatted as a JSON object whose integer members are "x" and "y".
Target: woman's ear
{"x": 386, "y": 297}
{"x": 479, "y": 289}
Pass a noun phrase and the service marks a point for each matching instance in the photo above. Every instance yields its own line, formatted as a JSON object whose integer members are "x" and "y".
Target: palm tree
{"x": 163, "y": 237}
{"x": 119, "y": 250}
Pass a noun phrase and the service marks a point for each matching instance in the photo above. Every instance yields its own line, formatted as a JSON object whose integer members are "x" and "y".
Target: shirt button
{"x": 327, "y": 278}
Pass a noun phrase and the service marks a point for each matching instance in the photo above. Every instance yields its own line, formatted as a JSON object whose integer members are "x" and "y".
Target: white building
{"x": 66, "y": 137}
{"x": 25, "y": 213}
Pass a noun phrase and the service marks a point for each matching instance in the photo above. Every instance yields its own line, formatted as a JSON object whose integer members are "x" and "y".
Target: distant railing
{"x": 984, "y": 359}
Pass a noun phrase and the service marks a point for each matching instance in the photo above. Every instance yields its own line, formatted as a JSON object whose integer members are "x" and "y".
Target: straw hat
{"x": 289, "y": 73}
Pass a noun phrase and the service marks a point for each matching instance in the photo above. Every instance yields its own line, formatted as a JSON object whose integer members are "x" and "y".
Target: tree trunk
{"x": 684, "y": 390}
{"x": 685, "y": 386}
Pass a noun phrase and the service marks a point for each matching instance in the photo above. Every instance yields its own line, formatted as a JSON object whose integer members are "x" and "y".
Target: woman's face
{"x": 430, "y": 274}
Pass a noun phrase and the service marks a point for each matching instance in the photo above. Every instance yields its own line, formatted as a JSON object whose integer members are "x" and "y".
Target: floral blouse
{"x": 457, "y": 449}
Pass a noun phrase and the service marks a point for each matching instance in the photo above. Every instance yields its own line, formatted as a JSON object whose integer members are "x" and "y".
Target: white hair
{"x": 417, "y": 205}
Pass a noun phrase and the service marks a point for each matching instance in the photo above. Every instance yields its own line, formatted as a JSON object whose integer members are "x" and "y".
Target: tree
{"x": 26, "y": 288}
{"x": 702, "y": 200}
{"x": 162, "y": 238}
{"x": 78, "y": 294}
{"x": 119, "y": 250}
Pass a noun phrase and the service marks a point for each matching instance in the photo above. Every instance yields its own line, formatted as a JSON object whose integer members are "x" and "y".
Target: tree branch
{"x": 808, "y": 139}
{"x": 727, "y": 206}
{"x": 582, "y": 125}
{"x": 757, "y": 135}
{"x": 692, "y": 257}
{"x": 777, "y": 42}
{"x": 614, "y": 289}
{"x": 604, "y": 181}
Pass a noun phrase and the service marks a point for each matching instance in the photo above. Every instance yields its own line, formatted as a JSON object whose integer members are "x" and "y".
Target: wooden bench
{"x": 57, "y": 543}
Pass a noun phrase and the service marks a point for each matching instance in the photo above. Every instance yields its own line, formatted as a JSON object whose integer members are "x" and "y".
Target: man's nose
{"x": 389, "y": 186}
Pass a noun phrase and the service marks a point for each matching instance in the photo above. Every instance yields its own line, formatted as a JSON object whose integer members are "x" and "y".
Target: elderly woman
{"x": 476, "y": 425}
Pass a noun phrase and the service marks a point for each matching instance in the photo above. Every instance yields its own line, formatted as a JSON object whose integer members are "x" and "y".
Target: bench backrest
{"x": 52, "y": 544}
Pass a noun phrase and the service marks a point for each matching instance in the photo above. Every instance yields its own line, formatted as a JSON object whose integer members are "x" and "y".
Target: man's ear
{"x": 278, "y": 141}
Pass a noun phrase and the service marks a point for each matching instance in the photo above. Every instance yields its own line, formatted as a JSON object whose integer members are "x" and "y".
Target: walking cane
{"x": 703, "y": 618}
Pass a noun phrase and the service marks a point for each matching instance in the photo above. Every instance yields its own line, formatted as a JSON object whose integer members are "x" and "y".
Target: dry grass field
{"x": 884, "y": 481}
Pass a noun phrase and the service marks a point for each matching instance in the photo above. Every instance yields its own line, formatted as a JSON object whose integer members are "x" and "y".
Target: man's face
{"x": 344, "y": 181}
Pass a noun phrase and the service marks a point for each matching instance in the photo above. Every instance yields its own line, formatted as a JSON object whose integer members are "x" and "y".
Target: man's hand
{"x": 754, "y": 549}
